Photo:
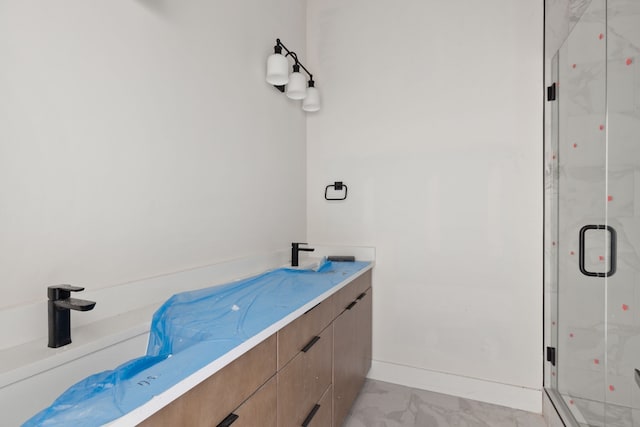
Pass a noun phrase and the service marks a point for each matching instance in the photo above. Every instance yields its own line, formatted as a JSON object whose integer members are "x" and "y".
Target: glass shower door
{"x": 581, "y": 248}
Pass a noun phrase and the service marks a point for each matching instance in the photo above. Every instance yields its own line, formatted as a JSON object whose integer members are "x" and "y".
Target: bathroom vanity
{"x": 308, "y": 373}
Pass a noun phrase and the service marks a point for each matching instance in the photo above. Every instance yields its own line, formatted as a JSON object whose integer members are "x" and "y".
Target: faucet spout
{"x": 59, "y": 308}
{"x": 295, "y": 249}
{"x": 75, "y": 304}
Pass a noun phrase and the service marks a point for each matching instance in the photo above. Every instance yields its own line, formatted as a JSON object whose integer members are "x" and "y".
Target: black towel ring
{"x": 337, "y": 186}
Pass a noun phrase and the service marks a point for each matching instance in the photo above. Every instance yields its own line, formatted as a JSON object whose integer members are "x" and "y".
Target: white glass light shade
{"x": 297, "y": 86}
{"x": 277, "y": 70}
{"x": 312, "y": 102}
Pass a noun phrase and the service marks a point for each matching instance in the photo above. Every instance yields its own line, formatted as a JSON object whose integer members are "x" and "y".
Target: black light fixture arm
{"x": 294, "y": 56}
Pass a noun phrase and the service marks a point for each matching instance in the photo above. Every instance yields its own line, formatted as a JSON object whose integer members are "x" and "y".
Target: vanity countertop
{"x": 193, "y": 335}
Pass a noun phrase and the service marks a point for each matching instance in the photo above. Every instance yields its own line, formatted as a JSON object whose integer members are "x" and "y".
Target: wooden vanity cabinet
{"x": 307, "y": 374}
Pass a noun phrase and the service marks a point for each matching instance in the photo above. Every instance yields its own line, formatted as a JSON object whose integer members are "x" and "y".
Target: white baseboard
{"x": 526, "y": 399}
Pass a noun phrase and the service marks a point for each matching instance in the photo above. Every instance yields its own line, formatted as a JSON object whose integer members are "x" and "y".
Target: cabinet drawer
{"x": 349, "y": 293}
{"x": 322, "y": 415}
{"x": 302, "y": 383}
{"x": 258, "y": 410}
{"x": 212, "y": 400}
{"x": 297, "y": 334}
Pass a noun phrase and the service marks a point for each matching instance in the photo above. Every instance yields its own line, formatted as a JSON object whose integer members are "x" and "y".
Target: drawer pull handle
{"x": 231, "y": 418}
{"x": 350, "y": 306}
{"x": 312, "y": 414}
{"x": 362, "y": 295}
{"x": 310, "y": 344}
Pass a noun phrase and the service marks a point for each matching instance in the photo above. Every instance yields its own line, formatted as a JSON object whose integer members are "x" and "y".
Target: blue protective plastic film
{"x": 189, "y": 331}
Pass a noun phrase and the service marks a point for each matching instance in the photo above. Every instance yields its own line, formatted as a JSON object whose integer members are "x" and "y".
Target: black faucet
{"x": 295, "y": 248}
{"x": 60, "y": 305}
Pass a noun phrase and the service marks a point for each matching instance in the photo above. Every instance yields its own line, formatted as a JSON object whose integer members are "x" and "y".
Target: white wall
{"x": 139, "y": 138}
{"x": 433, "y": 118}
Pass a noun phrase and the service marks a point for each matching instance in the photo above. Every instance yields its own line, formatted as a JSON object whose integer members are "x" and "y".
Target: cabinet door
{"x": 352, "y": 354}
{"x": 259, "y": 409}
{"x": 363, "y": 332}
{"x": 302, "y": 383}
{"x": 345, "y": 372}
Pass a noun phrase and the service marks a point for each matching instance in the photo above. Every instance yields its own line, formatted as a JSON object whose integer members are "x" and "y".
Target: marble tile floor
{"x": 383, "y": 404}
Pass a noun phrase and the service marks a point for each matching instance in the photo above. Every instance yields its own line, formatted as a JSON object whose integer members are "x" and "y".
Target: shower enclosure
{"x": 592, "y": 235}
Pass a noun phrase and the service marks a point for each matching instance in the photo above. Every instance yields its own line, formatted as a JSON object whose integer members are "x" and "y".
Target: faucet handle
{"x": 69, "y": 288}
{"x": 57, "y": 292}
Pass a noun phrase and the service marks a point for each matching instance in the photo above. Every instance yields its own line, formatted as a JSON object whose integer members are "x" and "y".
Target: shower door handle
{"x": 612, "y": 250}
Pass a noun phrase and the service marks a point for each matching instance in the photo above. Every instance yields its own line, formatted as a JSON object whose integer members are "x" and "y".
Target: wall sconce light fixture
{"x": 295, "y": 84}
